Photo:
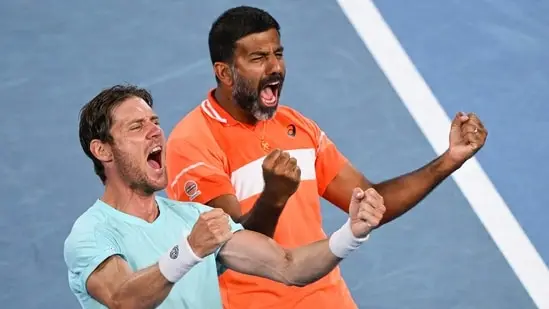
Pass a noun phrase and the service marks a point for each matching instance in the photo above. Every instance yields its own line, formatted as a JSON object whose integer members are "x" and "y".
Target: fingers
{"x": 373, "y": 198}
{"x": 372, "y": 217}
{"x": 281, "y": 163}
{"x": 459, "y": 118}
{"x": 217, "y": 223}
{"x": 473, "y": 131}
{"x": 212, "y": 214}
{"x": 473, "y": 119}
{"x": 372, "y": 207}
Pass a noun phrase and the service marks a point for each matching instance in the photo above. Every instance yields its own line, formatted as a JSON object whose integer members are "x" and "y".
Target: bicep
{"x": 254, "y": 254}
{"x": 105, "y": 280}
{"x": 340, "y": 189}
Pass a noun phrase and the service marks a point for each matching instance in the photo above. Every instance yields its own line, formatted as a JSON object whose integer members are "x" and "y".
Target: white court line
{"x": 435, "y": 124}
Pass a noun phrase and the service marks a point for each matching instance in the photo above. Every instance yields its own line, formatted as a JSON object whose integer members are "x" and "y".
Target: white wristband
{"x": 343, "y": 242}
{"x": 175, "y": 263}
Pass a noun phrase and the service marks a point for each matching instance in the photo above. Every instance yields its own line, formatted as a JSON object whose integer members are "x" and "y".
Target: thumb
{"x": 358, "y": 194}
{"x": 459, "y": 119}
{"x": 356, "y": 197}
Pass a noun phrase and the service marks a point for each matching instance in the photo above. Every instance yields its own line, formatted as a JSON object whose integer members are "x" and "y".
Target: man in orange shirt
{"x": 267, "y": 166}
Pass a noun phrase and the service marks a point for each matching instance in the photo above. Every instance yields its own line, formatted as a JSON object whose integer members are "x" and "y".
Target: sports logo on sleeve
{"x": 191, "y": 189}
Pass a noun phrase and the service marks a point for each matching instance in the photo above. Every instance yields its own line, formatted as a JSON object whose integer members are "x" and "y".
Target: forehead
{"x": 268, "y": 40}
{"x": 131, "y": 109}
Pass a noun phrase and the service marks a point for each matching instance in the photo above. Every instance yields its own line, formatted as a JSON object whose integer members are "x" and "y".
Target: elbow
{"x": 119, "y": 302}
{"x": 291, "y": 274}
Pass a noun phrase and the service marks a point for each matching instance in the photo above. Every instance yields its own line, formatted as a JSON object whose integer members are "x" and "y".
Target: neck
{"x": 225, "y": 100}
{"x": 130, "y": 201}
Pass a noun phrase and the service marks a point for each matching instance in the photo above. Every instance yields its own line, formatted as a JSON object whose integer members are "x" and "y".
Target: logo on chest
{"x": 291, "y": 130}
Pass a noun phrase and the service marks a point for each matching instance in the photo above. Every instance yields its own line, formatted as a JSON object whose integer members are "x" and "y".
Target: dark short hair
{"x": 96, "y": 118}
{"x": 234, "y": 24}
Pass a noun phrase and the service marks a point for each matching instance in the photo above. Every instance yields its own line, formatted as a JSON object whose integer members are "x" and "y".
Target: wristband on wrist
{"x": 343, "y": 242}
{"x": 176, "y": 262}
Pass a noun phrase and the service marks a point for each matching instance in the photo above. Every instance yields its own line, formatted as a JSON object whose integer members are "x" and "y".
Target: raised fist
{"x": 281, "y": 174}
{"x": 467, "y": 137}
{"x": 211, "y": 230}
{"x": 365, "y": 211}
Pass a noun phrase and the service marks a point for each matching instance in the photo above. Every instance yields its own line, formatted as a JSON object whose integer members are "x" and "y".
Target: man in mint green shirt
{"x": 132, "y": 249}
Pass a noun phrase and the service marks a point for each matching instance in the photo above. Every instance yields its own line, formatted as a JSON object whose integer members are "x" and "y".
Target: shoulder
{"x": 292, "y": 116}
{"x": 91, "y": 230}
{"x": 194, "y": 133}
{"x": 89, "y": 221}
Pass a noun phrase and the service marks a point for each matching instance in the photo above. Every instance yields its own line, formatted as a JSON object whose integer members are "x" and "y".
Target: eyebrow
{"x": 153, "y": 118}
{"x": 263, "y": 53}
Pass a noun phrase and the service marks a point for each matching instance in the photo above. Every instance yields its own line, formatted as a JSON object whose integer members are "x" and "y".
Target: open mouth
{"x": 269, "y": 93}
{"x": 154, "y": 159}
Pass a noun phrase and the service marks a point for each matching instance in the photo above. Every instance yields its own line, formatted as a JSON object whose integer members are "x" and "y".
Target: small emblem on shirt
{"x": 291, "y": 130}
{"x": 191, "y": 189}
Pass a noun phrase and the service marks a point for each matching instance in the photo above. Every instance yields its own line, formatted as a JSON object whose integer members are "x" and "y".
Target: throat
{"x": 130, "y": 202}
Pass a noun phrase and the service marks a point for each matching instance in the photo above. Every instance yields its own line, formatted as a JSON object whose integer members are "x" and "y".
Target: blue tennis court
{"x": 482, "y": 56}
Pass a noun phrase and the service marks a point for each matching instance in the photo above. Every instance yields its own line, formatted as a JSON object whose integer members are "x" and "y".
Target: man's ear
{"x": 102, "y": 151}
{"x": 223, "y": 72}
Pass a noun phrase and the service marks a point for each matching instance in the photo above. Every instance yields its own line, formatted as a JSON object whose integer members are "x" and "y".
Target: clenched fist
{"x": 467, "y": 136}
{"x": 365, "y": 211}
{"x": 211, "y": 230}
{"x": 281, "y": 174}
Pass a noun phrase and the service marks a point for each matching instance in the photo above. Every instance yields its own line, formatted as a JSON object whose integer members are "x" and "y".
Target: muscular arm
{"x": 400, "y": 194}
{"x": 115, "y": 285}
{"x": 262, "y": 218}
{"x": 255, "y": 254}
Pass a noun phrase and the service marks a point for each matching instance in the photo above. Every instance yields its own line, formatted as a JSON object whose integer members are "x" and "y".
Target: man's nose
{"x": 274, "y": 65}
{"x": 154, "y": 130}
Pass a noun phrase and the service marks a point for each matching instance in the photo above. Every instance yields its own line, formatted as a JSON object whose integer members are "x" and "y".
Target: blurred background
{"x": 383, "y": 95}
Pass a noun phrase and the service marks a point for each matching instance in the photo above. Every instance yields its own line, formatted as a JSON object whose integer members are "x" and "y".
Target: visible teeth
{"x": 156, "y": 149}
{"x": 274, "y": 83}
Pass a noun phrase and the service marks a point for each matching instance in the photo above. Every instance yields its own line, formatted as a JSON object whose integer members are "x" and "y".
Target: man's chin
{"x": 157, "y": 181}
{"x": 265, "y": 112}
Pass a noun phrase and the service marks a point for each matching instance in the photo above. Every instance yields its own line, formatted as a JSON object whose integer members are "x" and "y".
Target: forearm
{"x": 402, "y": 193}
{"x": 143, "y": 290}
{"x": 264, "y": 215}
{"x": 149, "y": 287}
{"x": 309, "y": 263}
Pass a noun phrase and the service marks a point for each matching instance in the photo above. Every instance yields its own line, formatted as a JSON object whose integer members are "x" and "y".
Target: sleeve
{"x": 84, "y": 251}
{"x": 329, "y": 160}
{"x": 195, "y": 172}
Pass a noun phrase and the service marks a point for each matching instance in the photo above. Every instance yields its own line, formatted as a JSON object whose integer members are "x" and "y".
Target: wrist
{"x": 273, "y": 199}
{"x": 343, "y": 242}
{"x": 194, "y": 248}
{"x": 177, "y": 261}
{"x": 448, "y": 163}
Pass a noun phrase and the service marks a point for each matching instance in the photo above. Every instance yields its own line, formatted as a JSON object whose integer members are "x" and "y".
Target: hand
{"x": 365, "y": 211}
{"x": 282, "y": 175}
{"x": 467, "y": 136}
{"x": 211, "y": 230}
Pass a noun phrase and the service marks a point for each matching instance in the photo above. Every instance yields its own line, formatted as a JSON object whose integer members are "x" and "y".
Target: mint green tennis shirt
{"x": 103, "y": 231}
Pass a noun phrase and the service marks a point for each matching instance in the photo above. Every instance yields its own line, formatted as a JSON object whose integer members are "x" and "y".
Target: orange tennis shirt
{"x": 210, "y": 154}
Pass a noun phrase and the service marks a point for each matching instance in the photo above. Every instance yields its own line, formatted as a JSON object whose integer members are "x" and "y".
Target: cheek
{"x": 250, "y": 75}
{"x": 130, "y": 151}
